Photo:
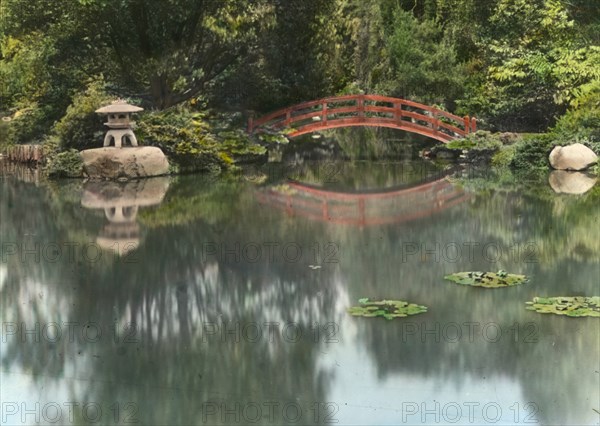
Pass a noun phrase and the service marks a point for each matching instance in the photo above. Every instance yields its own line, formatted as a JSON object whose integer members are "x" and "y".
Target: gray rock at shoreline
{"x": 563, "y": 182}
{"x": 129, "y": 163}
{"x": 572, "y": 157}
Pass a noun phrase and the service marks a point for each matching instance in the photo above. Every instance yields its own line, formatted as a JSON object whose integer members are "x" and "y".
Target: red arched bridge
{"x": 367, "y": 110}
{"x": 364, "y": 208}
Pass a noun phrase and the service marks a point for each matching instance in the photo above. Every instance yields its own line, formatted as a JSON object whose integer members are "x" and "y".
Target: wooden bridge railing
{"x": 367, "y": 110}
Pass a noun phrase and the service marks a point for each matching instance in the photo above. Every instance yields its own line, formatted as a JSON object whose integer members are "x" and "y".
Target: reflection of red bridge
{"x": 362, "y": 209}
{"x": 367, "y": 110}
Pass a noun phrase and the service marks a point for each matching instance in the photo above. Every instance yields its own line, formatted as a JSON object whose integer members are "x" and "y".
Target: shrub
{"x": 480, "y": 140}
{"x": 532, "y": 152}
{"x": 81, "y": 128}
{"x": 504, "y": 157}
{"x": 4, "y": 134}
{"x": 582, "y": 121}
{"x": 184, "y": 137}
{"x": 29, "y": 123}
{"x": 65, "y": 164}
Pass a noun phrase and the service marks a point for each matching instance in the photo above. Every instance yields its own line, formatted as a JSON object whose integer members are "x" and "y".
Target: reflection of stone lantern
{"x": 122, "y": 234}
{"x": 120, "y": 202}
{"x": 119, "y": 122}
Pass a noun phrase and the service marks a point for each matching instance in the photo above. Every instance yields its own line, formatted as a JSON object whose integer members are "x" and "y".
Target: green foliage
{"x": 532, "y": 64}
{"x": 303, "y": 52}
{"x": 40, "y": 65}
{"x": 29, "y": 123}
{"x": 504, "y": 157}
{"x": 66, "y": 164}
{"x": 582, "y": 120}
{"x": 81, "y": 128}
{"x": 480, "y": 140}
{"x": 515, "y": 64}
{"x": 532, "y": 153}
{"x": 423, "y": 62}
{"x": 4, "y": 134}
{"x": 185, "y": 139}
{"x": 402, "y": 56}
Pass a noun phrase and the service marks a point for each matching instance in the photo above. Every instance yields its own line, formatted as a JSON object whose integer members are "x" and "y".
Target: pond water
{"x": 197, "y": 300}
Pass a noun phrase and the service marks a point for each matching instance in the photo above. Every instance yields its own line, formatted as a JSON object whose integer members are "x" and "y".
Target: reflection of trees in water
{"x": 557, "y": 372}
{"x": 177, "y": 287}
{"x": 169, "y": 297}
{"x": 372, "y": 143}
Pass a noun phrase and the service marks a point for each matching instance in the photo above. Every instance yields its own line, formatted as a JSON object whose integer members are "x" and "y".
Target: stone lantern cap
{"x": 119, "y": 107}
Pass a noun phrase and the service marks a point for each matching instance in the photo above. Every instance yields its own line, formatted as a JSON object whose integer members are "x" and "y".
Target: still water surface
{"x": 223, "y": 301}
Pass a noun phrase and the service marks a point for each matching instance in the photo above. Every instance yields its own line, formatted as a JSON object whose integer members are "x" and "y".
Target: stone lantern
{"x": 119, "y": 122}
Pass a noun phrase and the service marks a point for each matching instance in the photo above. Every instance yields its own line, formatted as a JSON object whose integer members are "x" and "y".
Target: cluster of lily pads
{"x": 389, "y": 309}
{"x": 569, "y": 306}
{"x": 487, "y": 279}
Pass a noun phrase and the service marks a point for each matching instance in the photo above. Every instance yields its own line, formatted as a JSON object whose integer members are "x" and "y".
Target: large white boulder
{"x": 572, "y": 157}
{"x": 128, "y": 163}
{"x": 563, "y": 182}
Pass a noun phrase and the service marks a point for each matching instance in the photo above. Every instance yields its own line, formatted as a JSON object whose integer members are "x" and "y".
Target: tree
{"x": 303, "y": 52}
{"x": 162, "y": 51}
{"x": 399, "y": 55}
{"x": 534, "y": 63}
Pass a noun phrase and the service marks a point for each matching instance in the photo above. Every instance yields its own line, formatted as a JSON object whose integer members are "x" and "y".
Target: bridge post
{"x": 251, "y": 122}
{"x": 324, "y": 113}
{"x": 435, "y": 124}
{"x": 325, "y": 209}
{"x": 473, "y": 124}
{"x": 467, "y": 122}
{"x": 360, "y": 103}
{"x": 288, "y": 117}
{"x": 361, "y": 211}
{"x": 398, "y": 112}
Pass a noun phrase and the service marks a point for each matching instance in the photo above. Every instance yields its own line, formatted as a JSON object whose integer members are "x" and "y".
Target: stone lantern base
{"x": 131, "y": 163}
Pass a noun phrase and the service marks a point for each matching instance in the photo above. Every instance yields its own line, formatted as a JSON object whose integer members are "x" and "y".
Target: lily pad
{"x": 389, "y": 309}
{"x": 487, "y": 279}
{"x": 570, "y": 306}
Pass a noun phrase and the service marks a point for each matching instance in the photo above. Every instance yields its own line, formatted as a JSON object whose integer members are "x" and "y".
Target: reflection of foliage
{"x": 487, "y": 279}
{"x": 371, "y": 143}
{"x": 569, "y": 306}
{"x": 570, "y": 231}
{"x": 284, "y": 189}
{"x": 389, "y": 309}
{"x": 185, "y": 203}
{"x": 174, "y": 280}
